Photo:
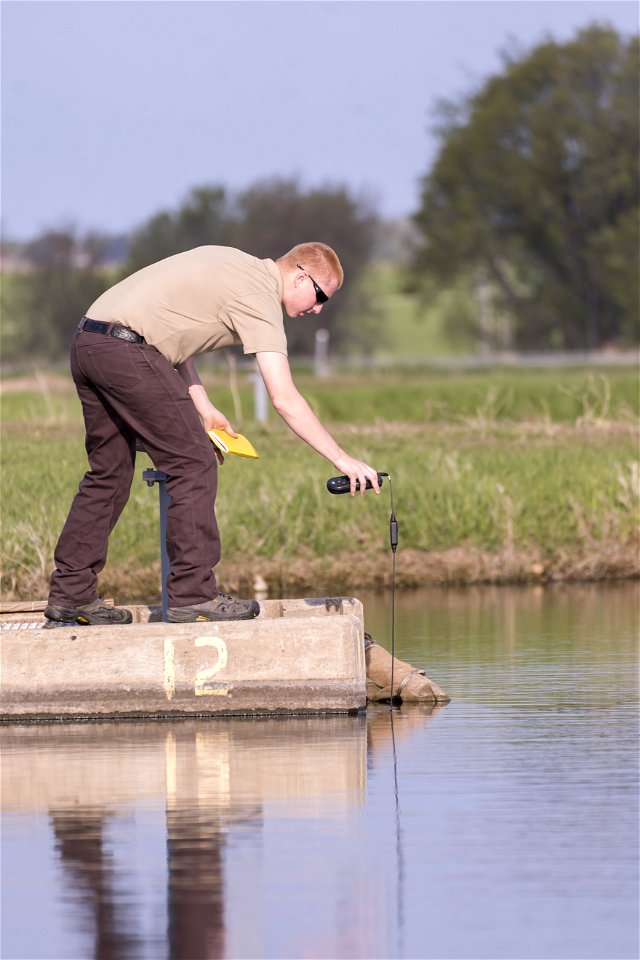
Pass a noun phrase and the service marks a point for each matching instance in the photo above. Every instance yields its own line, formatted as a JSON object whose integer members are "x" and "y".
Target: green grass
{"x": 503, "y": 477}
{"x": 438, "y": 327}
{"x": 436, "y": 396}
{"x": 553, "y": 396}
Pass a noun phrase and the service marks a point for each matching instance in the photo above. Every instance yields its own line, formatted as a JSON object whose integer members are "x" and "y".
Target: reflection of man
{"x": 80, "y": 843}
{"x": 195, "y": 892}
{"x": 132, "y": 363}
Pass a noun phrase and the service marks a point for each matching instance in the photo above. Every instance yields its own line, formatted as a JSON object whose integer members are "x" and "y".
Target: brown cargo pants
{"x": 130, "y": 390}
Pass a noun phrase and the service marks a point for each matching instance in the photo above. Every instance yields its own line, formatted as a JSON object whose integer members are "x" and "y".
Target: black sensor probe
{"x": 342, "y": 484}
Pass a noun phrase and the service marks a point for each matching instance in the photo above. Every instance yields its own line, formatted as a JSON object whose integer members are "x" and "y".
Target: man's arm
{"x": 212, "y": 418}
{"x": 297, "y": 414}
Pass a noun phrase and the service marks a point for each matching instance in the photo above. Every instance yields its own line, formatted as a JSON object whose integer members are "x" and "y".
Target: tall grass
{"x": 480, "y": 493}
{"x": 564, "y": 396}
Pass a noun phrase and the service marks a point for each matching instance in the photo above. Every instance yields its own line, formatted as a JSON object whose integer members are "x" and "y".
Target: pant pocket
{"x": 114, "y": 365}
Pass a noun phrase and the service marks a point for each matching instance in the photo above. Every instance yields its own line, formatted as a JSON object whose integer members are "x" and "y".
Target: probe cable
{"x": 342, "y": 484}
{"x": 393, "y": 538}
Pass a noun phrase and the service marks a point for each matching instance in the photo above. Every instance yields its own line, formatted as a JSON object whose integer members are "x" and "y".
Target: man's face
{"x": 302, "y": 298}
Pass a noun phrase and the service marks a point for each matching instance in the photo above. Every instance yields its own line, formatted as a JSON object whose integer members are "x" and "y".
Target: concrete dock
{"x": 305, "y": 656}
{"x": 298, "y": 656}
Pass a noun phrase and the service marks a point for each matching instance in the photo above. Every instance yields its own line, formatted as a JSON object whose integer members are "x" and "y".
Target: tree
{"x": 535, "y": 189}
{"x": 47, "y": 300}
{"x": 203, "y": 218}
{"x": 274, "y": 215}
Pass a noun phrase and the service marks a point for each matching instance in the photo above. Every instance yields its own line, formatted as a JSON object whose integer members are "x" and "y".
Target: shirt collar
{"x": 274, "y": 272}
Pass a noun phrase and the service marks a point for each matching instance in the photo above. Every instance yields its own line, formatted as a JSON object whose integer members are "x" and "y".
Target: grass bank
{"x": 484, "y": 493}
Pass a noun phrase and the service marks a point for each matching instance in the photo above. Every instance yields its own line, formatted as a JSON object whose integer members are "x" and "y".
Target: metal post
{"x": 156, "y": 476}
{"x": 260, "y": 406}
{"x": 321, "y": 353}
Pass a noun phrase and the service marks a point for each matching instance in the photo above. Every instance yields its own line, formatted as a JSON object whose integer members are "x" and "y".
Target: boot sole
{"x": 199, "y": 618}
{"x": 48, "y": 611}
{"x": 85, "y": 621}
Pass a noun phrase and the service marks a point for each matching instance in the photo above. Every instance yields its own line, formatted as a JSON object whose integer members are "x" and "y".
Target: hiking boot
{"x": 97, "y": 613}
{"x": 222, "y": 607}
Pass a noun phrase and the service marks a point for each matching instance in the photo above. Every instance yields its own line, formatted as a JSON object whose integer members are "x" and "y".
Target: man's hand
{"x": 214, "y": 419}
{"x": 356, "y": 470}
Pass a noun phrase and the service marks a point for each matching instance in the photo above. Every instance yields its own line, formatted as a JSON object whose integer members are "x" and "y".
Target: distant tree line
{"x": 58, "y": 275}
{"x": 67, "y": 270}
{"x": 532, "y": 204}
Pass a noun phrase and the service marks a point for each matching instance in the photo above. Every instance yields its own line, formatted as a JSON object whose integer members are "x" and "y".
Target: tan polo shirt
{"x": 198, "y": 301}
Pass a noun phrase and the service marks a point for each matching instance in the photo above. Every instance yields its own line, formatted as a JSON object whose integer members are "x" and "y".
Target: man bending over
{"x": 132, "y": 360}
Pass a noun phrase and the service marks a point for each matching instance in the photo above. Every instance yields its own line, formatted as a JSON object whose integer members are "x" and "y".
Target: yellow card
{"x": 239, "y": 446}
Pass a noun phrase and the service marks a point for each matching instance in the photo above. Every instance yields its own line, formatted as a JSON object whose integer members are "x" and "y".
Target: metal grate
{"x": 31, "y": 625}
{"x": 21, "y": 625}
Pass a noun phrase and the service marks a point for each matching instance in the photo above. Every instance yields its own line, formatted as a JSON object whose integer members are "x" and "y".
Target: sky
{"x": 115, "y": 109}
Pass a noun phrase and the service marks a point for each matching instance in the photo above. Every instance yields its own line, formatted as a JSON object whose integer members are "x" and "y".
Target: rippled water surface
{"x": 502, "y": 825}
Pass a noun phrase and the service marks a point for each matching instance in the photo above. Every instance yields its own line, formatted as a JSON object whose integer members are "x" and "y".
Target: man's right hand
{"x": 358, "y": 471}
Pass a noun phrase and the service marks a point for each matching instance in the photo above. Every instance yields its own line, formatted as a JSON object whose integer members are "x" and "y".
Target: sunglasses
{"x": 321, "y": 296}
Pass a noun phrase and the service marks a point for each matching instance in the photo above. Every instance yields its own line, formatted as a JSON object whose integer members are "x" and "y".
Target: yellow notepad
{"x": 239, "y": 446}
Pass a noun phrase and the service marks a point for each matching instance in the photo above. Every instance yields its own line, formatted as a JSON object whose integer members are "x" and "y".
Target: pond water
{"x": 502, "y": 825}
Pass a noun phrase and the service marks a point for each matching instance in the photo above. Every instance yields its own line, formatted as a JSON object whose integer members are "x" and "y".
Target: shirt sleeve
{"x": 258, "y": 324}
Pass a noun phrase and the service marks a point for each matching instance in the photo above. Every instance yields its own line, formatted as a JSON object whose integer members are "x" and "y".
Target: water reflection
{"x": 80, "y": 844}
{"x": 503, "y": 824}
{"x": 207, "y": 775}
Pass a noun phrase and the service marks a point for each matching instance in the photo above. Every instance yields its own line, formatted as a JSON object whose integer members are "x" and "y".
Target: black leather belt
{"x": 110, "y": 330}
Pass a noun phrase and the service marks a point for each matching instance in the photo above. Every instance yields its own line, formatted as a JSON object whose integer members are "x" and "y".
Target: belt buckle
{"x": 122, "y": 333}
